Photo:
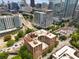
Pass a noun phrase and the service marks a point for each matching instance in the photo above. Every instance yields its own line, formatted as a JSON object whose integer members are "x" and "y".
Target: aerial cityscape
{"x": 39, "y": 29}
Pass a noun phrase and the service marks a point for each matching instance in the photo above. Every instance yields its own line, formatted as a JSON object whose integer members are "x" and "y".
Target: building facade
{"x": 32, "y": 3}
{"x": 9, "y": 22}
{"x": 13, "y": 6}
{"x": 39, "y": 42}
{"x": 70, "y": 7}
{"x": 63, "y": 8}
{"x": 43, "y": 19}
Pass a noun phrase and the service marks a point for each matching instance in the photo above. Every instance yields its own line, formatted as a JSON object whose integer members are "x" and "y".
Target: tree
{"x": 62, "y": 38}
{"x": 31, "y": 17}
{"x": 3, "y": 55}
{"x": 7, "y": 37}
{"x": 16, "y": 38}
{"x": 28, "y": 30}
{"x": 20, "y": 34}
{"x": 10, "y": 43}
{"x": 24, "y": 53}
{"x": 75, "y": 37}
{"x": 17, "y": 57}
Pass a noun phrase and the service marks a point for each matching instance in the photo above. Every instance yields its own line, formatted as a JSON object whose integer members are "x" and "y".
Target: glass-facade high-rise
{"x": 63, "y": 8}
{"x": 32, "y": 3}
{"x": 70, "y": 6}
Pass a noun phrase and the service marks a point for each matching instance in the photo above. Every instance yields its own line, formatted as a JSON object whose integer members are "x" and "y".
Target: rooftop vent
{"x": 35, "y": 41}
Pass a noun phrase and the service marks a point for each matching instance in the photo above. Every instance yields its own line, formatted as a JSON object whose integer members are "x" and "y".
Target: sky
{"x": 28, "y": 1}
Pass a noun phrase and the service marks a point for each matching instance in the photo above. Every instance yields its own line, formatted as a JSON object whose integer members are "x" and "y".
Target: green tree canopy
{"x": 24, "y": 53}
{"x": 17, "y": 57}
{"x": 3, "y": 55}
{"x": 10, "y": 43}
{"x": 20, "y": 34}
{"x": 28, "y": 30}
{"x": 75, "y": 37}
{"x": 62, "y": 38}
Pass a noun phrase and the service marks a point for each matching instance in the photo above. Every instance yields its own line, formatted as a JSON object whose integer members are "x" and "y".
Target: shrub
{"x": 10, "y": 43}
{"x": 20, "y": 34}
{"x": 24, "y": 53}
{"x": 3, "y": 55}
{"x": 17, "y": 57}
{"x": 7, "y": 37}
{"x": 62, "y": 38}
{"x": 28, "y": 30}
{"x": 16, "y": 38}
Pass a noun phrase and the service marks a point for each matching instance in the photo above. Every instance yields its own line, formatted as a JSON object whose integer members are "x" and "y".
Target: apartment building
{"x": 39, "y": 41}
{"x": 9, "y": 22}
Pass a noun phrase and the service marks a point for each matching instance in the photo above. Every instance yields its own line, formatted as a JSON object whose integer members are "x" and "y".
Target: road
{"x": 26, "y": 23}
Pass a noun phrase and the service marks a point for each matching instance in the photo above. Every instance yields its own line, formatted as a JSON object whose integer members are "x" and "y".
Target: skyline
{"x": 28, "y": 1}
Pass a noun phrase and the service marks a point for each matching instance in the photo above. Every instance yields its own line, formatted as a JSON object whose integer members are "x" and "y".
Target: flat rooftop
{"x": 33, "y": 36}
{"x": 8, "y": 30}
{"x": 65, "y": 53}
{"x": 35, "y": 43}
{"x": 45, "y": 33}
{"x": 40, "y": 12}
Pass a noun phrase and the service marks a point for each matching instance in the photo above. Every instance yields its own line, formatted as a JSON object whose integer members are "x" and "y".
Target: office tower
{"x": 13, "y": 6}
{"x": 24, "y": 6}
{"x": 40, "y": 19}
{"x": 63, "y": 8}
{"x": 50, "y": 5}
{"x": 38, "y": 5}
{"x": 55, "y": 5}
{"x": 44, "y": 5}
{"x": 9, "y": 6}
{"x": 43, "y": 18}
{"x": 2, "y": 3}
{"x": 32, "y": 3}
{"x": 24, "y": 2}
{"x": 70, "y": 7}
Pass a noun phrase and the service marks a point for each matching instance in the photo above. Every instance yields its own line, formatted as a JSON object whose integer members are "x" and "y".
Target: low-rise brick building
{"x": 39, "y": 41}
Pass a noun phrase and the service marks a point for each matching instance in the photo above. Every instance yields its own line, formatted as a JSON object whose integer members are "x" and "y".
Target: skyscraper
{"x": 13, "y": 6}
{"x": 63, "y": 8}
{"x": 55, "y": 5}
{"x": 70, "y": 7}
{"x": 24, "y": 2}
{"x": 32, "y": 3}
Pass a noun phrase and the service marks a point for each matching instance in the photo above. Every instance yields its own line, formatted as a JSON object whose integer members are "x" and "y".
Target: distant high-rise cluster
{"x": 63, "y": 8}
{"x": 32, "y": 3}
{"x": 13, "y": 6}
